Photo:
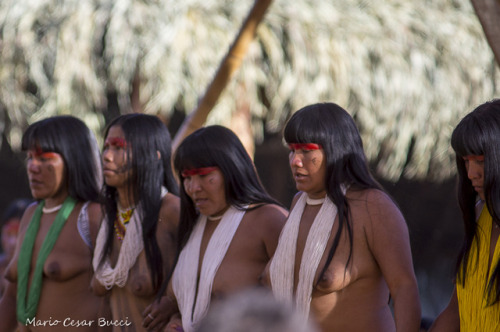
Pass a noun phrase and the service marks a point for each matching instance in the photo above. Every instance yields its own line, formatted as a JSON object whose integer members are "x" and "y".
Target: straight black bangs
{"x": 40, "y": 138}
{"x": 208, "y": 147}
{"x": 305, "y": 129}
{"x": 468, "y": 139}
{"x": 190, "y": 156}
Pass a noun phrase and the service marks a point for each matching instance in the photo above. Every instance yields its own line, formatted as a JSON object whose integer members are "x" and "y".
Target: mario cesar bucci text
{"x": 69, "y": 322}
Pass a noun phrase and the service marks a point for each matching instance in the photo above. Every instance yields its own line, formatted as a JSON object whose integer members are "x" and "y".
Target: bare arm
{"x": 157, "y": 314}
{"x": 271, "y": 220}
{"x": 390, "y": 244}
{"x": 8, "y": 302}
{"x": 8, "y": 308}
{"x": 95, "y": 218}
{"x": 167, "y": 230}
{"x": 449, "y": 319}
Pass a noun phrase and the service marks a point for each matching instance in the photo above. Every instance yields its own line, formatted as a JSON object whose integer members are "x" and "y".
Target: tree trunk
{"x": 488, "y": 12}
{"x": 229, "y": 65}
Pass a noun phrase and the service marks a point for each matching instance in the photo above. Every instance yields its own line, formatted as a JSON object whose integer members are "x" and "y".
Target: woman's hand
{"x": 158, "y": 313}
{"x": 175, "y": 324}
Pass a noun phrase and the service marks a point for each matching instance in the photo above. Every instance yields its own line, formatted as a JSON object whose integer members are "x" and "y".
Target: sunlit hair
{"x": 330, "y": 126}
{"x": 74, "y": 141}
{"x": 478, "y": 133}
{"x": 146, "y": 136}
{"x": 220, "y": 147}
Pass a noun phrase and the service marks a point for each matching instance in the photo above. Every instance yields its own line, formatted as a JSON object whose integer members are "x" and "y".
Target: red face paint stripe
{"x": 116, "y": 141}
{"x": 304, "y": 146}
{"x": 474, "y": 157}
{"x": 197, "y": 171}
{"x": 38, "y": 153}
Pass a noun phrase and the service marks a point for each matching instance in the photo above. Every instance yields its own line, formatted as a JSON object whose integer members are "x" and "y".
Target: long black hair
{"x": 218, "y": 146}
{"x": 331, "y": 126}
{"x": 149, "y": 158}
{"x": 478, "y": 133}
{"x": 76, "y": 144}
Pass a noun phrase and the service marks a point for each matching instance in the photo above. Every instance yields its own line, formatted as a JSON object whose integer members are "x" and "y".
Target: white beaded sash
{"x": 283, "y": 262}
{"x": 186, "y": 272}
{"x": 130, "y": 249}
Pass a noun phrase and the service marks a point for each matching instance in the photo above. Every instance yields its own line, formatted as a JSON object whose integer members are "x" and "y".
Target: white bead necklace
{"x": 52, "y": 209}
{"x": 216, "y": 218}
{"x": 313, "y": 201}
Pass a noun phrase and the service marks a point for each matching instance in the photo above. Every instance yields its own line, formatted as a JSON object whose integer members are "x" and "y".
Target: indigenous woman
{"x": 344, "y": 250}
{"x": 137, "y": 239}
{"x": 51, "y": 270}
{"x": 475, "y": 302}
{"x": 229, "y": 225}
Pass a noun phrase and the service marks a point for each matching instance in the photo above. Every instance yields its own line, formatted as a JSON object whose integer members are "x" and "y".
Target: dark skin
{"x": 131, "y": 300}
{"x": 251, "y": 248}
{"x": 139, "y": 288}
{"x": 65, "y": 297}
{"x": 67, "y": 275}
{"x": 355, "y": 299}
{"x": 449, "y": 319}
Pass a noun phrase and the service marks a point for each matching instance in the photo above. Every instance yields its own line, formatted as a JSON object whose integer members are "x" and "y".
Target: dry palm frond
{"x": 406, "y": 70}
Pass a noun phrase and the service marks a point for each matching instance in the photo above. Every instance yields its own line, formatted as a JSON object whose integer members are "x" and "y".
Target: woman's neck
{"x": 55, "y": 200}
{"x": 124, "y": 199}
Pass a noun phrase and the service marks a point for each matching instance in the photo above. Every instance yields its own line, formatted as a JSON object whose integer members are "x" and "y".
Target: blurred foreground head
{"x": 253, "y": 310}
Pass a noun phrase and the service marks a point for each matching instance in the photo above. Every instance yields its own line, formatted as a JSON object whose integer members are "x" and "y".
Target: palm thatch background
{"x": 407, "y": 71}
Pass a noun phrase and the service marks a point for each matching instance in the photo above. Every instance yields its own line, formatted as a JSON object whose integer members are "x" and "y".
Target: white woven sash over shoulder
{"x": 185, "y": 276}
{"x": 283, "y": 263}
{"x": 132, "y": 246}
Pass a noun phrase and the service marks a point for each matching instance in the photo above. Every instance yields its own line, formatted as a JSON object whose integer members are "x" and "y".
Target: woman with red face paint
{"x": 345, "y": 248}
{"x": 229, "y": 225}
{"x": 475, "y": 302}
{"x": 137, "y": 240}
{"x": 51, "y": 271}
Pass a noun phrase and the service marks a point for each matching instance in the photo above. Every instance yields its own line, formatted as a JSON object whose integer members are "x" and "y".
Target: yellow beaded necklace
{"x": 121, "y": 221}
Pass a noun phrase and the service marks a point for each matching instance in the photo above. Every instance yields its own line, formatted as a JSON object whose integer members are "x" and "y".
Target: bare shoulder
{"x": 95, "y": 213}
{"x": 268, "y": 213}
{"x": 378, "y": 214}
{"x": 11, "y": 269}
{"x": 170, "y": 212}
{"x": 266, "y": 222}
{"x": 27, "y": 215}
{"x": 295, "y": 199}
{"x": 372, "y": 201}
